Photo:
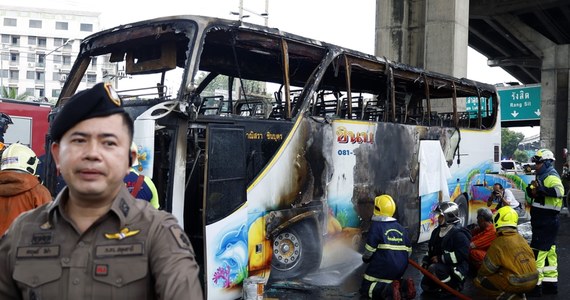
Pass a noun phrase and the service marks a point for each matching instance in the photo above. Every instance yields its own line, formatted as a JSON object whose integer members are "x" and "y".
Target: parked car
{"x": 511, "y": 166}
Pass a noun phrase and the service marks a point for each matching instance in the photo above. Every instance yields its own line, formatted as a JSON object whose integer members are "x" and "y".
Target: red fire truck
{"x": 30, "y": 124}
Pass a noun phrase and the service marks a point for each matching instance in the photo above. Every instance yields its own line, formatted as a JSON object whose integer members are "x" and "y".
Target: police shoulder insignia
{"x": 124, "y": 207}
{"x": 180, "y": 236}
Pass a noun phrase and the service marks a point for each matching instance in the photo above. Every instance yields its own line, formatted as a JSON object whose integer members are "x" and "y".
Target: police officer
{"x": 545, "y": 195}
{"x": 386, "y": 252}
{"x": 95, "y": 241}
{"x": 448, "y": 250}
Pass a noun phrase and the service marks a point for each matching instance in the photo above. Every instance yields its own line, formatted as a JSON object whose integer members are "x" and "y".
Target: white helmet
{"x": 19, "y": 157}
{"x": 542, "y": 155}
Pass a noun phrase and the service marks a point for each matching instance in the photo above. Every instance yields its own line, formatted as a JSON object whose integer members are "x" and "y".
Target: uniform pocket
{"x": 35, "y": 273}
{"x": 120, "y": 271}
{"x": 121, "y": 278}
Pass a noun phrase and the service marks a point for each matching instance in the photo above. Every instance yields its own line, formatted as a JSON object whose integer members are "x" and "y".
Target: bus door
{"x": 225, "y": 215}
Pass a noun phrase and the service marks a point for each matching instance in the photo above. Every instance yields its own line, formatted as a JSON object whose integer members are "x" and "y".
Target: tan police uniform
{"x": 132, "y": 252}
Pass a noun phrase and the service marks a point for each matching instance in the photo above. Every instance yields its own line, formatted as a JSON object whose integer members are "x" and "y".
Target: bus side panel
{"x": 227, "y": 256}
{"x": 371, "y": 159}
{"x": 478, "y": 170}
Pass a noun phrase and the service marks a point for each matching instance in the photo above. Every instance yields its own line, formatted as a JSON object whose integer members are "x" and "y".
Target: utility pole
{"x": 49, "y": 53}
{"x": 241, "y": 9}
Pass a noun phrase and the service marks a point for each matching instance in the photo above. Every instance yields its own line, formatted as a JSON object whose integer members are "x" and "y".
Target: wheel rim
{"x": 286, "y": 251}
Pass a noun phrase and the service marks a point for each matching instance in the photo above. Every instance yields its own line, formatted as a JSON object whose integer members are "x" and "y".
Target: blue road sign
{"x": 520, "y": 103}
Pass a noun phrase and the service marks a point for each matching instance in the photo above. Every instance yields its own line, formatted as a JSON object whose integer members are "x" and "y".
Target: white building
{"x": 38, "y": 47}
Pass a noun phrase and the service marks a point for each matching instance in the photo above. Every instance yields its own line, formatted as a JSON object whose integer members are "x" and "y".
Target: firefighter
{"x": 545, "y": 194}
{"x": 20, "y": 189}
{"x": 509, "y": 267}
{"x": 386, "y": 252}
{"x": 448, "y": 251}
{"x": 139, "y": 185}
{"x": 5, "y": 120}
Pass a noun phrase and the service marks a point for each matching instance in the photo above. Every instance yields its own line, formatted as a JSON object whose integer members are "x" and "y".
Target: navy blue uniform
{"x": 387, "y": 251}
{"x": 452, "y": 251}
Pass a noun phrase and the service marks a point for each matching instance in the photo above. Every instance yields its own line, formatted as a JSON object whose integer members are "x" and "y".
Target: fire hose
{"x": 436, "y": 280}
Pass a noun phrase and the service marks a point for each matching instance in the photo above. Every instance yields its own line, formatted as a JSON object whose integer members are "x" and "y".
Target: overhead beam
{"x": 508, "y": 36}
{"x": 527, "y": 62}
{"x": 481, "y": 8}
{"x": 532, "y": 40}
{"x": 550, "y": 26}
{"x": 489, "y": 42}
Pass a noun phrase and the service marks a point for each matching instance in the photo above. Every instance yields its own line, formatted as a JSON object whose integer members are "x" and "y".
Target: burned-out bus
{"x": 270, "y": 148}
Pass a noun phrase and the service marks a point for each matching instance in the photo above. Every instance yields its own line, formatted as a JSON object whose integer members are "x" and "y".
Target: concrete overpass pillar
{"x": 555, "y": 85}
{"x": 555, "y": 97}
{"x": 428, "y": 34}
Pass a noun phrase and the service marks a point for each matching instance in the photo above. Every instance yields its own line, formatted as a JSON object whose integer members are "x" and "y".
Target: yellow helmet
{"x": 19, "y": 157}
{"x": 384, "y": 205}
{"x": 506, "y": 216}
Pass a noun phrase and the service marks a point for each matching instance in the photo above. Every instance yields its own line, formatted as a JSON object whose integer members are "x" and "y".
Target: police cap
{"x": 99, "y": 101}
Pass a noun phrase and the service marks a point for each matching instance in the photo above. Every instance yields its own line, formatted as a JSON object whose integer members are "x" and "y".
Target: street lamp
{"x": 45, "y": 60}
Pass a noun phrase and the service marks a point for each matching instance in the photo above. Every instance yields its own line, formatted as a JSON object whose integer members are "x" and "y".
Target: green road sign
{"x": 471, "y": 105}
{"x": 520, "y": 103}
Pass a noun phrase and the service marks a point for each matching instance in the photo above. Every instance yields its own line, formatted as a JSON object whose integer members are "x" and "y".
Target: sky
{"x": 346, "y": 23}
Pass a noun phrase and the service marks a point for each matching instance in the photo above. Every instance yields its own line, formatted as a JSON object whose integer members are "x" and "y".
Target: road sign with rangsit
{"x": 520, "y": 103}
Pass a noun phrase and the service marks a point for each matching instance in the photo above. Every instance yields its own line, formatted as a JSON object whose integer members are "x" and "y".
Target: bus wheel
{"x": 296, "y": 251}
{"x": 463, "y": 210}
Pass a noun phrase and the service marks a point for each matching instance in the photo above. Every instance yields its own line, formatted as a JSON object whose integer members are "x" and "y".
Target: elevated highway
{"x": 529, "y": 39}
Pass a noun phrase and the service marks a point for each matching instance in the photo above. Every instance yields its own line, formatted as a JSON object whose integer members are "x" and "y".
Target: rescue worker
{"x": 448, "y": 251}
{"x": 545, "y": 195}
{"x": 5, "y": 121}
{"x": 386, "y": 252}
{"x": 20, "y": 190}
{"x": 139, "y": 185}
{"x": 509, "y": 268}
{"x": 95, "y": 241}
{"x": 503, "y": 197}
{"x": 482, "y": 236}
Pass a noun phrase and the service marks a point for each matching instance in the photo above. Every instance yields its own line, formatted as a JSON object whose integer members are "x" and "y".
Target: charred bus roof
{"x": 164, "y": 43}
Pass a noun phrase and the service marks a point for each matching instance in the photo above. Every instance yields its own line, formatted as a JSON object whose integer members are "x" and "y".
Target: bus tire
{"x": 297, "y": 251}
{"x": 463, "y": 210}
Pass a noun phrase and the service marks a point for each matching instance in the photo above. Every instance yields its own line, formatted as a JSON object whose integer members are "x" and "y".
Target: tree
{"x": 521, "y": 156}
{"x": 221, "y": 83}
{"x": 510, "y": 141}
{"x": 12, "y": 93}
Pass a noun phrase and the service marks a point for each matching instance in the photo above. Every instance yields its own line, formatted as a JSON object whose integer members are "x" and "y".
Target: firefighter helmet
{"x": 19, "y": 157}
{"x": 449, "y": 210}
{"x": 5, "y": 119}
{"x": 384, "y": 205}
{"x": 506, "y": 216}
{"x": 542, "y": 155}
